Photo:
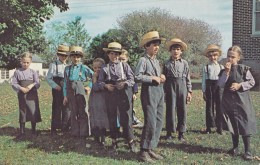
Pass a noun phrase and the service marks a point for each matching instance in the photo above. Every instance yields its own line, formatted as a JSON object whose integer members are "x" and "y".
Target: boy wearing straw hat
{"x": 55, "y": 76}
{"x": 148, "y": 72}
{"x": 74, "y": 92}
{"x": 177, "y": 89}
{"x": 210, "y": 76}
{"x": 117, "y": 79}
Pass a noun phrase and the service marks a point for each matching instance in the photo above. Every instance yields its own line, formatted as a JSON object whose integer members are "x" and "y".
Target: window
{"x": 4, "y": 74}
{"x": 256, "y": 17}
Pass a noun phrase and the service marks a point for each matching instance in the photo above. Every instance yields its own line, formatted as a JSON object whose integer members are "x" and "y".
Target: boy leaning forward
{"x": 148, "y": 72}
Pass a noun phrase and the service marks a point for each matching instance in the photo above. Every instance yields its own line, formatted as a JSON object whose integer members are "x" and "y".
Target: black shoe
{"x": 169, "y": 138}
{"x": 133, "y": 147}
{"x": 154, "y": 155}
{"x": 181, "y": 138}
{"x": 145, "y": 157}
{"x": 114, "y": 145}
{"x": 96, "y": 138}
{"x": 219, "y": 131}
{"x": 233, "y": 151}
{"x": 248, "y": 156}
{"x": 208, "y": 131}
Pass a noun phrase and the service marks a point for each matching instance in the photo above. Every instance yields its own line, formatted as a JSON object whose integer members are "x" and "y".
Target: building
{"x": 246, "y": 33}
{"x": 6, "y": 75}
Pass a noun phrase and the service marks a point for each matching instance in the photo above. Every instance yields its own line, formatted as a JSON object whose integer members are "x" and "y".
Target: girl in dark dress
{"x": 26, "y": 82}
{"x": 239, "y": 115}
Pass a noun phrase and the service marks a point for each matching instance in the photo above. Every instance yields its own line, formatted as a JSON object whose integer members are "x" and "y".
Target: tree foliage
{"x": 21, "y": 24}
{"x": 70, "y": 33}
{"x": 196, "y": 33}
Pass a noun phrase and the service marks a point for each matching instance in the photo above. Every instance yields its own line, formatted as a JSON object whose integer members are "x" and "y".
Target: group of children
{"x": 114, "y": 85}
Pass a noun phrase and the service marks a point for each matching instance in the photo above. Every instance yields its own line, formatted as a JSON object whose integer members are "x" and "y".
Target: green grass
{"x": 63, "y": 149}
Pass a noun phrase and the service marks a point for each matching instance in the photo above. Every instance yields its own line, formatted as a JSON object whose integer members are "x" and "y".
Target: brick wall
{"x": 242, "y": 36}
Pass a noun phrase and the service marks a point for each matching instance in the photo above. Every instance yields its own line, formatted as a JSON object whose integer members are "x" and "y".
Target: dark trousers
{"x": 214, "y": 115}
{"x": 120, "y": 101}
{"x": 152, "y": 98}
{"x": 176, "y": 95}
{"x": 79, "y": 118}
{"x": 60, "y": 113}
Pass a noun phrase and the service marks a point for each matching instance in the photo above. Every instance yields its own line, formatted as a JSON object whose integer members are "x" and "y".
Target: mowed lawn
{"x": 63, "y": 149}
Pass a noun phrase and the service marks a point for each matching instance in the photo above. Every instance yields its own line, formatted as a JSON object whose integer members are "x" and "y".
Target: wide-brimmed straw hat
{"x": 114, "y": 47}
{"x": 150, "y": 36}
{"x": 212, "y": 48}
{"x": 63, "y": 49}
{"x": 176, "y": 41}
{"x": 76, "y": 50}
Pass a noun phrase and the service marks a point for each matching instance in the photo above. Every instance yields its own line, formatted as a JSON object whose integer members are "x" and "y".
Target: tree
{"x": 196, "y": 33}
{"x": 21, "y": 27}
{"x": 70, "y": 33}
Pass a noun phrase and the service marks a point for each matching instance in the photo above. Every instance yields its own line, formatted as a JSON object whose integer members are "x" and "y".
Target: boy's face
{"x": 25, "y": 62}
{"x": 153, "y": 49}
{"x": 62, "y": 57}
{"x": 213, "y": 56}
{"x": 233, "y": 57}
{"x": 97, "y": 67}
{"x": 75, "y": 59}
{"x": 176, "y": 52}
{"x": 113, "y": 56}
{"x": 123, "y": 58}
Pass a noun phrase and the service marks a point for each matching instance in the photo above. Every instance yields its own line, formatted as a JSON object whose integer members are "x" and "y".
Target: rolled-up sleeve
{"x": 49, "y": 77}
{"x": 246, "y": 85}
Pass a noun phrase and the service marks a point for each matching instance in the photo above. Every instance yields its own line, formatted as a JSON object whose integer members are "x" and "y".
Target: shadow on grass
{"x": 64, "y": 143}
{"x": 191, "y": 148}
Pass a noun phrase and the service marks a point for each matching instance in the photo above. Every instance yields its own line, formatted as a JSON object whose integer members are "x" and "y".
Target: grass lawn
{"x": 63, "y": 149}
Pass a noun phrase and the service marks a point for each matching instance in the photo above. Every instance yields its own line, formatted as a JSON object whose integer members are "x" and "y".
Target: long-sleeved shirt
{"x": 246, "y": 85}
{"x": 178, "y": 69}
{"x": 56, "y": 69}
{"x": 210, "y": 73}
{"x": 77, "y": 72}
{"x": 28, "y": 74}
{"x": 116, "y": 71}
{"x": 146, "y": 68}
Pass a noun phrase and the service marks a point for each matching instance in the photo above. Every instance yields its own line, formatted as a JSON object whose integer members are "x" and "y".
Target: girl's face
{"x": 176, "y": 52}
{"x": 233, "y": 57}
{"x": 25, "y": 62}
{"x": 113, "y": 56}
{"x": 123, "y": 58}
{"x": 213, "y": 56}
{"x": 97, "y": 67}
{"x": 75, "y": 59}
{"x": 62, "y": 57}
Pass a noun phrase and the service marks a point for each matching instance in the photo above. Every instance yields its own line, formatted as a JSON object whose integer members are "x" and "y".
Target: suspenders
{"x": 79, "y": 71}
{"x": 121, "y": 68}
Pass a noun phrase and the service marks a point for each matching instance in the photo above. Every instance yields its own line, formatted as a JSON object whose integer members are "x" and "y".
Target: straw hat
{"x": 212, "y": 48}
{"x": 150, "y": 36}
{"x": 176, "y": 41}
{"x": 114, "y": 47}
{"x": 63, "y": 49}
{"x": 76, "y": 50}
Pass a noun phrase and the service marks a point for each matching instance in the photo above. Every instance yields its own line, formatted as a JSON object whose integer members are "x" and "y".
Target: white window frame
{"x": 254, "y": 32}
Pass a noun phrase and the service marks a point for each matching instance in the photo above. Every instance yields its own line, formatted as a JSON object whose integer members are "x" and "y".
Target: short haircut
{"x": 152, "y": 42}
{"x": 100, "y": 60}
{"x": 26, "y": 55}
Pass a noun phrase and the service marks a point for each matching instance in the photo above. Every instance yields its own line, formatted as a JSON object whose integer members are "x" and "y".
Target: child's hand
{"x": 134, "y": 97}
{"x": 235, "y": 86}
{"x": 188, "y": 100}
{"x": 227, "y": 67}
{"x": 87, "y": 89}
{"x": 65, "y": 100}
{"x": 110, "y": 87}
{"x": 58, "y": 88}
{"x": 204, "y": 96}
{"x": 120, "y": 85}
{"x": 24, "y": 90}
{"x": 163, "y": 78}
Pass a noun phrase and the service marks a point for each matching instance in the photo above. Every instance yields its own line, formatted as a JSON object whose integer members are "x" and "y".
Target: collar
{"x": 174, "y": 60}
{"x": 116, "y": 62}
{"x": 147, "y": 55}
{"x": 213, "y": 63}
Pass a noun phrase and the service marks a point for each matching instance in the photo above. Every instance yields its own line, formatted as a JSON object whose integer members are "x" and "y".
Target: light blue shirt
{"x": 78, "y": 72}
{"x": 212, "y": 73}
{"x": 55, "y": 71}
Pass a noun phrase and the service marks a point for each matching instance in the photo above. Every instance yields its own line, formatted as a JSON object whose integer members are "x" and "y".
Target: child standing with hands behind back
{"x": 97, "y": 106}
{"x": 26, "y": 82}
{"x": 236, "y": 103}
